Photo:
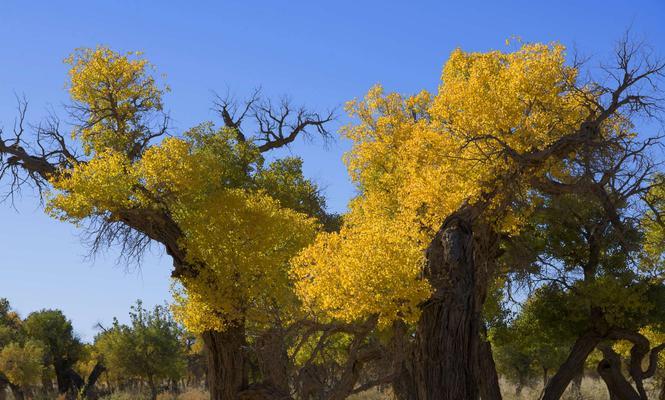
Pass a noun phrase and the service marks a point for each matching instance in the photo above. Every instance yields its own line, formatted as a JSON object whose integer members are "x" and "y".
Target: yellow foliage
{"x": 246, "y": 243}
{"x": 22, "y": 364}
{"x": 114, "y": 92}
{"x": 237, "y": 229}
{"x": 416, "y": 160}
{"x": 654, "y": 227}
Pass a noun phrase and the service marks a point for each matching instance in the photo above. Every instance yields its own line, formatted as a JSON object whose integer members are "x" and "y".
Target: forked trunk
{"x": 448, "y": 332}
{"x": 227, "y": 372}
{"x": 571, "y": 367}
{"x": 618, "y": 387}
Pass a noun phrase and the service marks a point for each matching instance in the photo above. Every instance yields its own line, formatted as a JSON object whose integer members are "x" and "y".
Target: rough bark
{"x": 273, "y": 359}
{"x": 573, "y": 364}
{"x": 488, "y": 377}
{"x": 403, "y": 382}
{"x": 227, "y": 372}
{"x": 448, "y": 332}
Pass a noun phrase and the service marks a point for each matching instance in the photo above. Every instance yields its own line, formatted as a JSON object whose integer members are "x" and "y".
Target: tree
{"x": 585, "y": 260}
{"x": 444, "y": 178}
{"x": 526, "y": 347}
{"x": 22, "y": 366}
{"x": 10, "y": 324}
{"x": 10, "y": 332}
{"x": 229, "y": 221}
{"x": 149, "y": 349}
{"x": 62, "y": 348}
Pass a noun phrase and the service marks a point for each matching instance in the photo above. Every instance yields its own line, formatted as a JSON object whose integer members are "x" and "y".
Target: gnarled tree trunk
{"x": 573, "y": 364}
{"x": 609, "y": 369}
{"x": 84, "y": 389}
{"x": 225, "y": 352}
{"x": 458, "y": 267}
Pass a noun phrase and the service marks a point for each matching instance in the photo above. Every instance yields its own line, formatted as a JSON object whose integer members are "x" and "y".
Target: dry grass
{"x": 592, "y": 389}
{"x": 374, "y": 394}
{"x": 190, "y": 394}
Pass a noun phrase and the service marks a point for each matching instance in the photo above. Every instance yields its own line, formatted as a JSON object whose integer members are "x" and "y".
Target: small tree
{"x": 62, "y": 348}
{"x": 149, "y": 349}
{"x": 22, "y": 366}
{"x": 10, "y": 331}
{"x": 229, "y": 220}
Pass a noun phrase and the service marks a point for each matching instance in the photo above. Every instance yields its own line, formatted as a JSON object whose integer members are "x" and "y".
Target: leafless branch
{"x": 277, "y": 125}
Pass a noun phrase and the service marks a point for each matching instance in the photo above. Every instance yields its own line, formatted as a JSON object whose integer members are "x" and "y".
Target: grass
{"x": 592, "y": 389}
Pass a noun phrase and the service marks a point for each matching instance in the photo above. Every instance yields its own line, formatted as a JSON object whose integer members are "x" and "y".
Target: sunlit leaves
{"x": 417, "y": 159}
{"x": 241, "y": 220}
{"x": 115, "y": 94}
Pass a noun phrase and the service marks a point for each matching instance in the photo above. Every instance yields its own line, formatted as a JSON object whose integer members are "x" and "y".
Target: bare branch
{"x": 277, "y": 125}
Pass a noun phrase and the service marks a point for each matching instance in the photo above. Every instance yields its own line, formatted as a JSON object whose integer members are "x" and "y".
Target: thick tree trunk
{"x": 618, "y": 387}
{"x": 62, "y": 376}
{"x": 448, "y": 332}
{"x": 661, "y": 394}
{"x": 273, "y": 359}
{"x": 227, "y": 372}
{"x": 489, "y": 379}
{"x": 573, "y": 364}
{"x": 403, "y": 384}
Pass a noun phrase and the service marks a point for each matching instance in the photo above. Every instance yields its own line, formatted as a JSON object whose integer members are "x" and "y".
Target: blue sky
{"x": 321, "y": 54}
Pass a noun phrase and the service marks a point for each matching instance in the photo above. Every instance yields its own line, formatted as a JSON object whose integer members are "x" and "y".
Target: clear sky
{"x": 319, "y": 53}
